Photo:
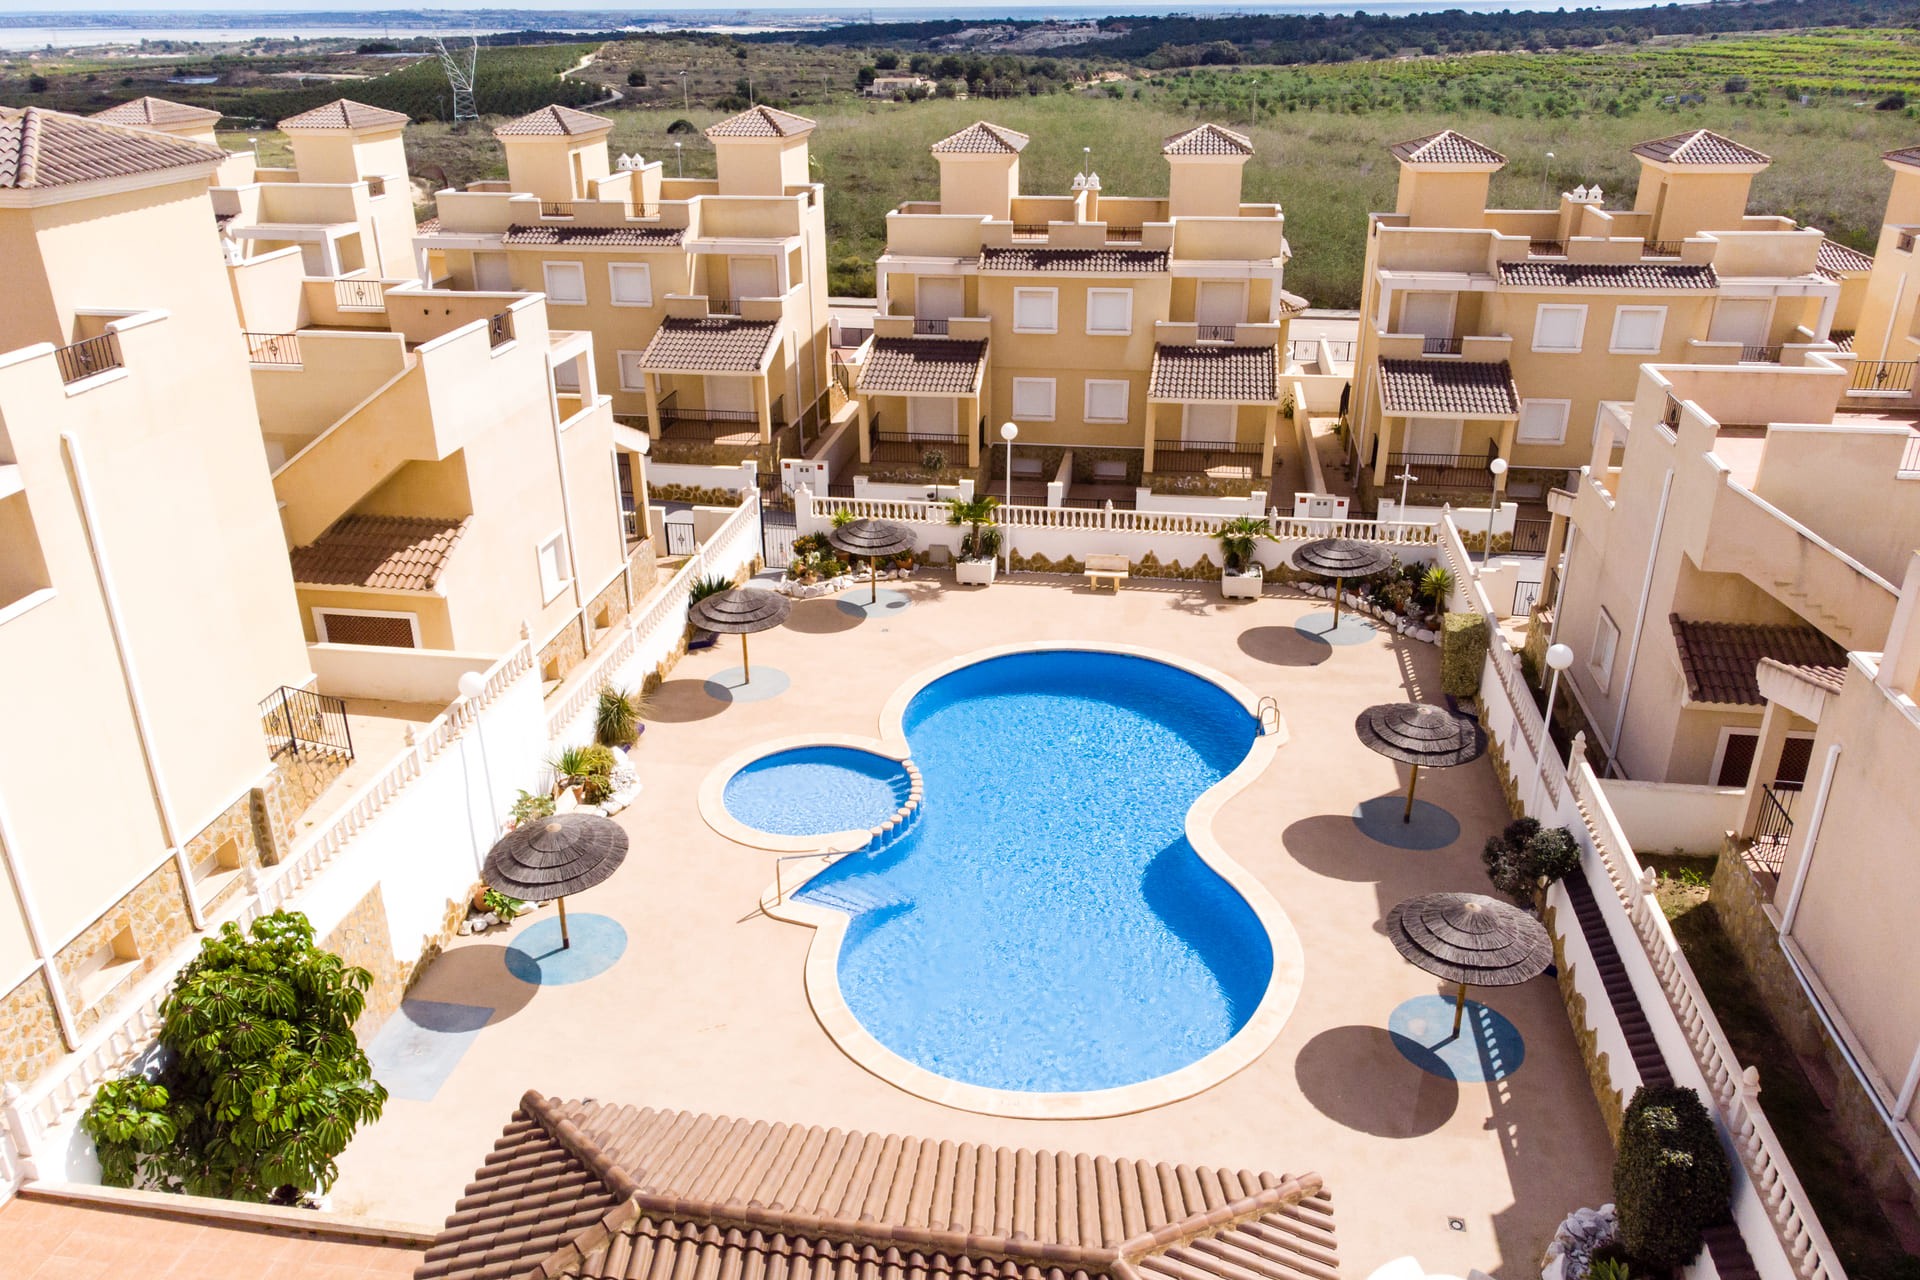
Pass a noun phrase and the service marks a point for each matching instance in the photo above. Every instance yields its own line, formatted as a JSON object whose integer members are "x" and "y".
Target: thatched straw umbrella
{"x": 1340, "y": 559}
{"x": 555, "y": 856}
{"x": 741, "y": 611}
{"x": 870, "y": 540}
{"x": 1418, "y": 733}
{"x": 1470, "y": 940}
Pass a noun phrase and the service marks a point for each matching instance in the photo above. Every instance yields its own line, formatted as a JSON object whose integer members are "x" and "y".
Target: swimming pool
{"x": 816, "y": 791}
{"x": 1046, "y": 926}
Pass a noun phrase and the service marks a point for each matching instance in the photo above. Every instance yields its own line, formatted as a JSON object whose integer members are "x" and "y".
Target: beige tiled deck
{"x": 707, "y": 1010}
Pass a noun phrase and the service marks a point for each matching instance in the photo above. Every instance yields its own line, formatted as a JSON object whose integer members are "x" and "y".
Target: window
{"x": 1558, "y": 328}
{"x": 630, "y": 283}
{"x": 367, "y": 626}
{"x": 219, "y": 861}
{"x": 1636, "y": 330}
{"x": 1109, "y": 311}
{"x": 1036, "y": 310}
{"x": 553, "y": 567}
{"x": 1033, "y": 398}
{"x": 566, "y": 282}
{"x": 106, "y": 966}
{"x": 1606, "y": 638}
{"x": 1542, "y": 422}
{"x": 1735, "y": 758}
{"x": 632, "y": 376}
{"x": 1106, "y": 400}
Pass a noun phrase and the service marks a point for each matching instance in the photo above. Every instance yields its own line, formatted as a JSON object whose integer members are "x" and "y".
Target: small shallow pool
{"x": 1045, "y": 926}
{"x": 816, "y": 791}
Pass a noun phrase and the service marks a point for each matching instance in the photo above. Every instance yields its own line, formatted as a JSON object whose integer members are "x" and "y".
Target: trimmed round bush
{"x": 1670, "y": 1179}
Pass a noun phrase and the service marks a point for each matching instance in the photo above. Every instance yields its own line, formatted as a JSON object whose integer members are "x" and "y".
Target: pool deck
{"x": 707, "y": 1009}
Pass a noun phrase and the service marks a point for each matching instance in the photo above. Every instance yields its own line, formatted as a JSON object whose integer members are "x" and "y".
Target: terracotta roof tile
{"x": 715, "y": 344}
{"x": 1477, "y": 388}
{"x": 762, "y": 122}
{"x": 344, "y": 113}
{"x": 1841, "y": 338}
{"x": 596, "y": 1191}
{"x": 1246, "y": 375}
{"x": 1208, "y": 140}
{"x": 643, "y": 237}
{"x": 392, "y": 553}
{"x": 1608, "y": 275}
{"x": 1097, "y": 261}
{"x": 154, "y": 113}
{"x": 427, "y": 227}
{"x": 553, "y": 122}
{"x": 922, "y": 366}
{"x": 1829, "y": 679}
{"x": 1702, "y": 147}
{"x": 1445, "y": 147}
{"x": 1721, "y": 659}
{"x": 1909, "y": 156}
{"x": 41, "y": 149}
{"x": 1836, "y": 258}
{"x": 982, "y": 138}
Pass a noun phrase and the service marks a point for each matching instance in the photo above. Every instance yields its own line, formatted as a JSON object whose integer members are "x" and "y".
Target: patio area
{"x": 706, "y": 1008}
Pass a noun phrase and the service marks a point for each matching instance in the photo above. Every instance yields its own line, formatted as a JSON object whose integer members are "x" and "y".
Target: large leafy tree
{"x": 263, "y": 1083}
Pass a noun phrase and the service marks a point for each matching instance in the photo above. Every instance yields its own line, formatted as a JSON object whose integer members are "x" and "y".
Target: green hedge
{"x": 1670, "y": 1179}
{"x": 1463, "y": 651}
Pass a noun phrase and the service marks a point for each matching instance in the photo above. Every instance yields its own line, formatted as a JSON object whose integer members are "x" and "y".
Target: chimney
{"x": 980, "y": 170}
{"x": 1205, "y": 167}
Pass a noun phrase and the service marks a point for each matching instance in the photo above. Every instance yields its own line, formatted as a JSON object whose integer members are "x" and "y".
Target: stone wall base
{"x": 1599, "y": 1065}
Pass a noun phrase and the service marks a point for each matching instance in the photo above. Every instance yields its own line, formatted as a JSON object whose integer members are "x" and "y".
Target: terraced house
{"x": 1502, "y": 332}
{"x": 1143, "y": 336}
{"x": 706, "y": 297}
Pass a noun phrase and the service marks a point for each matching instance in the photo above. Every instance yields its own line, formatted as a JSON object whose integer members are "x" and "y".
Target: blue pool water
{"x": 814, "y": 791}
{"x": 1045, "y": 926}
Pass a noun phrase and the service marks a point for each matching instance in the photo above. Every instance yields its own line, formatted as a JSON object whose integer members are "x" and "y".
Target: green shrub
{"x": 502, "y": 905}
{"x": 597, "y": 762}
{"x": 530, "y": 806}
{"x": 711, "y": 585}
{"x": 1670, "y": 1179}
{"x": 616, "y": 716}
{"x": 1463, "y": 651}
{"x": 1524, "y": 853}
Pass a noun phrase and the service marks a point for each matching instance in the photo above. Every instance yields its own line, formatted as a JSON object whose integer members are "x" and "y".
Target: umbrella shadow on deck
{"x": 476, "y": 974}
{"x": 682, "y": 702}
{"x": 1360, "y": 1078}
{"x": 1283, "y": 647}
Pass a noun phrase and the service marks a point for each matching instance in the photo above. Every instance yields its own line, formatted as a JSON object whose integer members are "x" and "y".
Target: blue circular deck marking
{"x": 732, "y": 685}
{"x": 536, "y": 955}
{"x": 1488, "y": 1047}
{"x": 1431, "y": 828}
{"x": 860, "y": 603}
{"x": 1354, "y": 628}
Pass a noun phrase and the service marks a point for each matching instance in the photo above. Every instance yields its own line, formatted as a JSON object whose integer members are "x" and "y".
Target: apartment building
{"x": 1503, "y": 332}
{"x": 149, "y": 647}
{"x": 706, "y": 297}
{"x": 1718, "y": 525}
{"x": 1146, "y": 335}
{"x": 1885, "y": 332}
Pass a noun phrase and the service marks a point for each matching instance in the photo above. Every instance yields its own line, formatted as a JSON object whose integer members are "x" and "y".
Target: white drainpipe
{"x": 36, "y": 932}
{"x": 1639, "y": 624}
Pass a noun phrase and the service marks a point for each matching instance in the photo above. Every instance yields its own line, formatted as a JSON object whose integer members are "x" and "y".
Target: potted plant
{"x": 979, "y": 544}
{"x": 618, "y": 717}
{"x": 1240, "y": 576}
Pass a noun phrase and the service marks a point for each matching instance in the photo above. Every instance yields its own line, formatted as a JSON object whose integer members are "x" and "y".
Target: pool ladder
{"x": 1268, "y": 714}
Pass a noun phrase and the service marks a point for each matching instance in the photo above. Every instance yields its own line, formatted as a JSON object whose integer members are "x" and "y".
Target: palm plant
{"x": 617, "y": 715}
{"x": 711, "y": 585}
{"x": 1237, "y": 538}
{"x": 982, "y": 538}
{"x": 1436, "y": 584}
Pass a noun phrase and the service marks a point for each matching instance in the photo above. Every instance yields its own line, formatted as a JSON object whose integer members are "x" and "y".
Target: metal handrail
{"x": 88, "y": 356}
{"x": 1267, "y": 703}
{"x": 361, "y": 295}
{"x": 830, "y": 856}
{"x": 928, "y": 327}
{"x": 556, "y": 208}
{"x": 273, "y": 348}
{"x": 1214, "y": 332}
{"x": 500, "y": 328}
{"x": 1882, "y": 375}
{"x": 1442, "y": 346}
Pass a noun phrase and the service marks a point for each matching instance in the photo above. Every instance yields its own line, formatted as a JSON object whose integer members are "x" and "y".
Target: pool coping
{"x": 830, "y": 1009}
{"x": 713, "y": 802}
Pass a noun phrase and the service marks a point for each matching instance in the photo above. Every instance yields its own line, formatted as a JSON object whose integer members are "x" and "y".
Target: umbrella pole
{"x": 1459, "y": 1007}
{"x": 566, "y": 942}
{"x": 873, "y": 579}
{"x": 1412, "y": 779}
{"x": 1337, "y": 584}
{"x": 746, "y": 671}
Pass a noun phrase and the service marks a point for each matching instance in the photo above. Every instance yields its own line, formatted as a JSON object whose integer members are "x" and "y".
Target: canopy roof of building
{"x": 388, "y": 553}
{"x": 1721, "y": 659}
{"x": 1448, "y": 388}
{"x": 1241, "y": 375}
{"x": 1208, "y": 140}
{"x": 345, "y": 113}
{"x": 1446, "y": 148}
{"x": 554, "y": 122}
{"x": 1017, "y": 260}
{"x": 155, "y": 113}
{"x": 1701, "y": 147}
{"x": 1534, "y": 273}
{"x": 981, "y": 138}
{"x": 762, "y": 122}
{"x": 713, "y": 344}
{"x": 41, "y": 149}
{"x": 923, "y": 366}
{"x": 641, "y": 237}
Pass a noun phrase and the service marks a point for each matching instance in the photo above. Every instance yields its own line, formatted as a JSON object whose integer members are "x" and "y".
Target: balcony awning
{"x": 1237, "y": 375}
{"x": 643, "y": 237}
{"x": 715, "y": 344}
{"x": 1106, "y": 262}
{"x": 1721, "y": 660}
{"x": 385, "y": 553}
{"x": 1651, "y": 276}
{"x": 1448, "y": 389}
{"x": 923, "y": 367}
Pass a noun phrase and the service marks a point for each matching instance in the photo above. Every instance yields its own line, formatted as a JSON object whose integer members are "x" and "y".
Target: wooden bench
{"x": 1110, "y": 568}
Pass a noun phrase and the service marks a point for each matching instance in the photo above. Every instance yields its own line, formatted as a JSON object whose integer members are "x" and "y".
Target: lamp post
{"x": 679, "y": 169}
{"x": 1546, "y": 180}
{"x": 1559, "y": 658}
{"x": 1009, "y": 432}
{"x": 683, "y": 91}
{"x": 472, "y": 685}
{"x": 1405, "y": 478}
{"x": 1499, "y": 468}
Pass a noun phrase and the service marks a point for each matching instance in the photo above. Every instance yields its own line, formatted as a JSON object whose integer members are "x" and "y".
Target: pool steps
{"x": 904, "y": 819}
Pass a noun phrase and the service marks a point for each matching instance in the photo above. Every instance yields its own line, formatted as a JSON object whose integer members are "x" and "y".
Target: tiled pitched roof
{"x": 154, "y": 113}
{"x": 1701, "y": 146}
{"x": 1101, "y": 261}
{"x": 427, "y": 227}
{"x": 344, "y": 113}
{"x": 1909, "y": 156}
{"x": 1608, "y": 275}
{"x": 1836, "y": 258}
{"x": 643, "y": 237}
{"x": 1841, "y": 338}
{"x": 393, "y": 553}
{"x": 1445, "y": 147}
{"x": 1248, "y": 375}
{"x": 982, "y": 138}
{"x": 1721, "y": 659}
{"x": 1478, "y": 388}
{"x": 41, "y": 149}
{"x": 553, "y": 122}
{"x": 715, "y": 344}
{"x": 922, "y": 366}
{"x": 1827, "y": 679}
{"x": 594, "y": 1191}
{"x": 762, "y": 122}
{"x": 1208, "y": 140}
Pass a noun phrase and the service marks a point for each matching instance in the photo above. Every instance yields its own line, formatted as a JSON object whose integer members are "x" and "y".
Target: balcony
{"x": 1660, "y": 249}
{"x": 556, "y": 208}
{"x": 1773, "y": 829}
{"x": 1760, "y": 355}
{"x": 1215, "y": 332}
{"x": 499, "y": 329}
{"x": 1445, "y": 470}
{"x": 1442, "y": 346}
{"x": 281, "y": 350}
{"x": 724, "y": 427}
{"x": 929, "y": 328}
{"x": 1221, "y": 459}
{"x": 1891, "y": 376}
{"x": 903, "y": 448}
{"x": 88, "y": 356}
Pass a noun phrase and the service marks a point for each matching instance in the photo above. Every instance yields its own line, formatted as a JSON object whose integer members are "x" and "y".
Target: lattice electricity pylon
{"x": 460, "y": 78}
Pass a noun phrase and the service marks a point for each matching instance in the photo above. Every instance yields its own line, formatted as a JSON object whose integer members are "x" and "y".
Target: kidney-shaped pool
{"x": 1046, "y": 926}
